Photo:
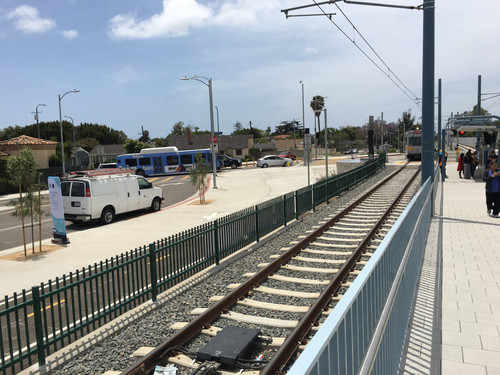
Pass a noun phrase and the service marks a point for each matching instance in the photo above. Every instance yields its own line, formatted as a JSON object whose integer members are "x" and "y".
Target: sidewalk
{"x": 236, "y": 190}
{"x": 456, "y": 325}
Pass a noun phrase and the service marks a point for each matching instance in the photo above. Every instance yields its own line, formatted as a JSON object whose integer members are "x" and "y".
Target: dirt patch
{"x": 197, "y": 202}
{"x": 19, "y": 256}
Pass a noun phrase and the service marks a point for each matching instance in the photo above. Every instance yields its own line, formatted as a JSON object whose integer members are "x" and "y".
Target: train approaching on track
{"x": 413, "y": 142}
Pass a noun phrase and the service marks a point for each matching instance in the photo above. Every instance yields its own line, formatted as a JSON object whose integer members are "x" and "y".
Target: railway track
{"x": 290, "y": 296}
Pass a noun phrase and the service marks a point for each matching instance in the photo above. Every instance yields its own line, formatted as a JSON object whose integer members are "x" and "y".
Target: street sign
{"x": 307, "y": 140}
{"x": 213, "y": 139}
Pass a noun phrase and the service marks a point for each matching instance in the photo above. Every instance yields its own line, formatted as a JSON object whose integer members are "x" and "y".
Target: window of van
{"x": 78, "y": 189}
{"x": 186, "y": 159}
{"x": 143, "y": 183}
{"x": 65, "y": 185}
{"x": 144, "y": 161}
{"x": 131, "y": 162}
{"x": 172, "y": 160}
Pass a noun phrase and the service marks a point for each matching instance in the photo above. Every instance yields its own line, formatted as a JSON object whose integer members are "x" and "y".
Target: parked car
{"x": 226, "y": 161}
{"x": 288, "y": 154}
{"x": 101, "y": 195}
{"x": 273, "y": 161}
{"x": 351, "y": 151}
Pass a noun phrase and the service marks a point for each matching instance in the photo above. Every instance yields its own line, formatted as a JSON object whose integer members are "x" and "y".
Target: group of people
{"x": 491, "y": 176}
{"x": 469, "y": 158}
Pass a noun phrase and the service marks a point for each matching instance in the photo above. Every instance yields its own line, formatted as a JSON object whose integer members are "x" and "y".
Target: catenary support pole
{"x": 428, "y": 92}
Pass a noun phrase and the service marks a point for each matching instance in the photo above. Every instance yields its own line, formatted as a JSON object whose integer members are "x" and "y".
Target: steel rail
{"x": 296, "y": 338}
{"x": 203, "y": 321}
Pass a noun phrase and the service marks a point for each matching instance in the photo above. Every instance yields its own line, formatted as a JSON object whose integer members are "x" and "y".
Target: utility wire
{"x": 494, "y": 104}
{"x": 414, "y": 98}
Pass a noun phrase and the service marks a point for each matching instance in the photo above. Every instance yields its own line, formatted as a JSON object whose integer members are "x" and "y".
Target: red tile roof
{"x": 3, "y": 154}
{"x": 26, "y": 140}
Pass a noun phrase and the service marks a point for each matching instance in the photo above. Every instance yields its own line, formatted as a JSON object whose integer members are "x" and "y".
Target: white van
{"x": 102, "y": 195}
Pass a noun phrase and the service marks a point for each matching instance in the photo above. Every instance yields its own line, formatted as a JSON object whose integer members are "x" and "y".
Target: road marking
{"x": 185, "y": 177}
{"x": 19, "y": 226}
{"x": 169, "y": 178}
{"x": 47, "y": 307}
{"x": 153, "y": 179}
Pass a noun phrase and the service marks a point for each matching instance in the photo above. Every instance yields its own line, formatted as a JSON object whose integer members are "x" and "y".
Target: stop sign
{"x": 213, "y": 139}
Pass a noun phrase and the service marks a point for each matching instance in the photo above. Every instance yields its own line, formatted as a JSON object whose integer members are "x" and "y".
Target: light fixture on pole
{"x": 217, "y": 109}
{"x": 36, "y": 117}
{"x": 74, "y": 138}
{"x": 208, "y": 82}
{"x": 60, "y": 125}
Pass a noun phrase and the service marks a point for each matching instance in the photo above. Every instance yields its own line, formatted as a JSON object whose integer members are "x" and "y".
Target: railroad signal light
{"x": 462, "y": 132}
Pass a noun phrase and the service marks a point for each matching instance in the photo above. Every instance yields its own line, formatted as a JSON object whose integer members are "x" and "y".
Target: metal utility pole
{"x": 60, "y": 97}
{"x": 208, "y": 82}
{"x": 36, "y": 117}
{"x": 478, "y": 133}
{"x": 428, "y": 92}
{"x": 382, "y": 129}
{"x": 326, "y": 146}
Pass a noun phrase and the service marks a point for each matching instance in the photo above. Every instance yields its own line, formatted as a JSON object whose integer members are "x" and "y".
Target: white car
{"x": 274, "y": 161}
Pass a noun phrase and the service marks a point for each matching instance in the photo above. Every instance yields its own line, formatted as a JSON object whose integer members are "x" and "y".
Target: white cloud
{"x": 243, "y": 12}
{"x": 27, "y": 19}
{"x": 125, "y": 75}
{"x": 177, "y": 17}
{"x": 69, "y": 34}
{"x": 310, "y": 50}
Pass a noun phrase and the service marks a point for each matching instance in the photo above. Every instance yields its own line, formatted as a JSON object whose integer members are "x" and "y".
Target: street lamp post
{"x": 36, "y": 117}
{"x": 60, "y": 125}
{"x": 208, "y": 82}
{"x": 74, "y": 138}
{"x": 217, "y": 109}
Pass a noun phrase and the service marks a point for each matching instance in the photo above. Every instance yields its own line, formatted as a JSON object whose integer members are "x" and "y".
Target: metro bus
{"x": 163, "y": 161}
{"x": 413, "y": 142}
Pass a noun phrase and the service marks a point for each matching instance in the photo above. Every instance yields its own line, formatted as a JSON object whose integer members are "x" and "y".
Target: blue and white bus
{"x": 163, "y": 160}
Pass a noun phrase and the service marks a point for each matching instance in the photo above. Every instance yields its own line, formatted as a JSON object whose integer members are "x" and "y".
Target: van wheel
{"x": 156, "y": 205}
{"x": 108, "y": 215}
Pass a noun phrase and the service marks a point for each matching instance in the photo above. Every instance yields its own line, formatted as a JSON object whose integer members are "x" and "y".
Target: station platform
{"x": 455, "y": 327}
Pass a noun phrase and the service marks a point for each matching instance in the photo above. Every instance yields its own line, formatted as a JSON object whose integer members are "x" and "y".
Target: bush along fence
{"x": 39, "y": 322}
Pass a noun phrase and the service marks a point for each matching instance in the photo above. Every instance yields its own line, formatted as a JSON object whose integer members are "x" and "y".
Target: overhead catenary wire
{"x": 403, "y": 89}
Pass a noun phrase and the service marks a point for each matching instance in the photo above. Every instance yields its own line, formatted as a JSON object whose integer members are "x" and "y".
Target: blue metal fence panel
{"x": 357, "y": 314}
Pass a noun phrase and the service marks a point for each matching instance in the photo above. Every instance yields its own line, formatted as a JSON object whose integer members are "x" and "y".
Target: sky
{"x": 127, "y": 57}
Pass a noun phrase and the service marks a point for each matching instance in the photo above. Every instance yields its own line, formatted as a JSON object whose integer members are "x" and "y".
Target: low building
{"x": 42, "y": 149}
{"x": 236, "y": 146}
{"x": 105, "y": 153}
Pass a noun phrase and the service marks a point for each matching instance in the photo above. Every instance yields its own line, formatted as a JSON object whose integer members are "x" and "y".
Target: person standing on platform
{"x": 473, "y": 164}
{"x": 460, "y": 166}
{"x": 492, "y": 179}
{"x": 457, "y": 152}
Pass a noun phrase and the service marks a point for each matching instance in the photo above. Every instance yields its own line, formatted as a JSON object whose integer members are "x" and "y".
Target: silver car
{"x": 274, "y": 161}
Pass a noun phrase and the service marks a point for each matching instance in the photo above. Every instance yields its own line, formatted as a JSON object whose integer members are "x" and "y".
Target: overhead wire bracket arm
{"x": 418, "y": 7}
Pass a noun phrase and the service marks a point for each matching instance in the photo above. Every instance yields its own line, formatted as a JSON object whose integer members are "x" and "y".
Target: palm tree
{"x": 317, "y": 104}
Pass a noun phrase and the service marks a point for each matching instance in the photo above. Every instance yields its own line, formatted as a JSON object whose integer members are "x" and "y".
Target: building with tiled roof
{"x": 42, "y": 148}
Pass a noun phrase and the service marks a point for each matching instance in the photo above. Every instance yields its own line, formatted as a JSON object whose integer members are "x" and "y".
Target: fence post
{"x": 296, "y": 205}
{"x": 284, "y": 210}
{"x": 313, "y": 200}
{"x": 152, "y": 268}
{"x": 37, "y": 311}
{"x": 257, "y": 236}
{"x": 216, "y": 240}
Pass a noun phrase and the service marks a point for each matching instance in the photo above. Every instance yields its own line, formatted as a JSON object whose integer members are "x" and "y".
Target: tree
{"x": 198, "y": 176}
{"x": 133, "y": 146}
{"x": 237, "y": 126}
{"x": 289, "y": 128}
{"x": 22, "y": 172}
{"x": 88, "y": 143}
{"x": 317, "y": 104}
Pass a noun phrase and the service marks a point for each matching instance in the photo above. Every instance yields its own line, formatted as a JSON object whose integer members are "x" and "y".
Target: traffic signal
{"x": 454, "y": 132}
{"x": 462, "y": 132}
{"x": 317, "y": 138}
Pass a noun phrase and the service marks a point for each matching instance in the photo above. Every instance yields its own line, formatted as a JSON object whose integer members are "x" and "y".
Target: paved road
{"x": 175, "y": 189}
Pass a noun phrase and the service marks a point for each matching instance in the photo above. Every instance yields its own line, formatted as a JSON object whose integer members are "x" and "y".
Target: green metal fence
{"x": 35, "y": 324}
